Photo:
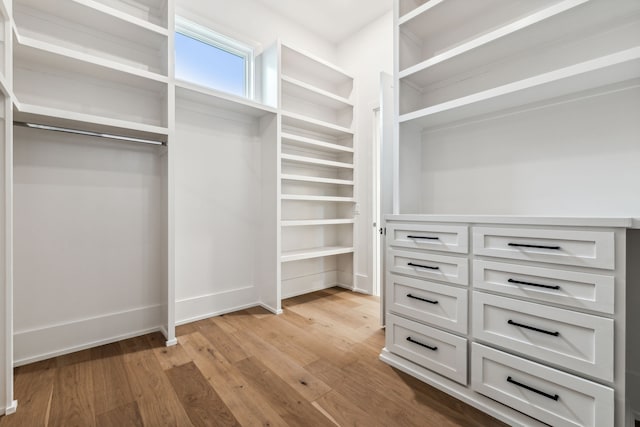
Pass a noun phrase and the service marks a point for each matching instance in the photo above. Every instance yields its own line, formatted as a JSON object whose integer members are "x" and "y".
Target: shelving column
{"x": 103, "y": 68}
{"x": 7, "y": 404}
{"x": 317, "y": 143}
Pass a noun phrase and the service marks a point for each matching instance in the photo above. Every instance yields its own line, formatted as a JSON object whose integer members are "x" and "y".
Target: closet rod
{"x": 89, "y": 133}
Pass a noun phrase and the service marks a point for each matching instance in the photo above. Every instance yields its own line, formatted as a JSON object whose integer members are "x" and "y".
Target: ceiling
{"x": 333, "y": 20}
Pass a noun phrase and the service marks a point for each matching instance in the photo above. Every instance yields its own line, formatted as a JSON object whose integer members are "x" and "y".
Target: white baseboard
{"x": 269, "y": 308}
{"x": 210, "y": 305}
{"x": 307, "y": 284}
{"x": 11, "y": 409}
{"x": 55, "y": 340}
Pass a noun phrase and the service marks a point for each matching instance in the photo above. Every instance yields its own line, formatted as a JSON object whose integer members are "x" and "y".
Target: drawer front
{"x": 445, "y": 238}
{"x": 582, "y": 248}
{"x": 429, "y": 266}
{"x": 576, "y": 341}
{"x": 440, "y": 305}
{"x": 549, "y": 395}
{"x": 570, "y": 288}
{"x": 431, "y": 348}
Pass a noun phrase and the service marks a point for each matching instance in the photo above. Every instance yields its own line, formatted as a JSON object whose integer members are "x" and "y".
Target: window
{"x": 210, "y": 59}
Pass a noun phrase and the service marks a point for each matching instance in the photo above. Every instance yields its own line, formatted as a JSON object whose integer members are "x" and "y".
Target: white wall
{"x": 365, "y": 55}
{"x": 252, "y": 22}
{"x": 89, "y": 231}
{"x": 583, "y": 161}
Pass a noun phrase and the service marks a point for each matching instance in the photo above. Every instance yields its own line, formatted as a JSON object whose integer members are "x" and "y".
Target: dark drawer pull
{"x": 421, "y": 344}
{"x": 556, "y": 287}
{"x": 422, "y": 299}
{"x": 423, "y": 266}
{"x": 522, "y": 245}
{"x": 423, "y": 237}
{"x": 533, "y": 328}
{"x": 542, "y": 393}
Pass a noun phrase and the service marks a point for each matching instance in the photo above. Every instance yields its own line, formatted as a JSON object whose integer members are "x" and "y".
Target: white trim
{"x": 201, "y": 307}
{"x": 206, "y": 35}
{"x": 38, "y": 344}
{"x": 12, "y": 408}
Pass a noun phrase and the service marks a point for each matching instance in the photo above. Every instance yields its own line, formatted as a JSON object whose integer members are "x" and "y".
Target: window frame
{"x": 208, "y": 36}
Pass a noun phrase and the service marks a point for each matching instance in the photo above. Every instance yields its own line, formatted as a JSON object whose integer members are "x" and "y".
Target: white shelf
{"x": 312, "y": 125}
{"x": 221, "y": 100}
{"x": 72, "y": 120}
{"x": 535, "y": 29}
{"x": 316, "y": 162}
{"x": 315, "y": 253}
{"x": 306, "y": 67}
{"x": 309, "y": 222}
{"x": 609, "y": 69}
{"x": 315, "y": 144}
{"x": 315, "y": 179}
{"x": 96, "y": 15}
{"x": 49, "y": 53}
{"x": 304, "y": 198}
{"x": 436, "y": 16}
{"x": 299, "y": 89}
{"x": 148, "y": 14}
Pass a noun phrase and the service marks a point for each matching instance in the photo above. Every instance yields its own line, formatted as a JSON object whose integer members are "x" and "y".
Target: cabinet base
{"x": 462, "y": 393}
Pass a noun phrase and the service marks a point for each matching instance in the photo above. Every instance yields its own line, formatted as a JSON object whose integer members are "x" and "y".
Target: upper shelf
{"x": 29, "y": 113}
{"x": 314, "y": 71}
{"x": 609, "y": 69}
{"x": 94, "y": 33}
{"x": 313, "y": 125}
{"x": 221, "y": 100}
{"x": 304, "y": 91}
{"x": 119, "y": 17}
{"x": 33, "y": 50}
{"x": 521, "y": 35}
{"x": 438, "y": 26}
{"x": 314, "y": 144}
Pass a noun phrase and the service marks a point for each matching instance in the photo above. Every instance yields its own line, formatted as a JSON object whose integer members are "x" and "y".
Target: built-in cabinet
{"x": 317, "y": 171}
{"x": 516, "y": 131}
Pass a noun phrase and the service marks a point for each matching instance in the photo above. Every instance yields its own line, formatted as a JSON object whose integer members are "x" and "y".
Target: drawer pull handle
{"x": 556, "y": 287}
{"x": 432, "y": 348}
{"x": 422, "y": 299}
{"x": 542, "y": 393}
{"x": 423, "y": 237}
{"x": 423, "y": 266}
{"x": 533, "y": 328}
{"x": 522, "y": 245}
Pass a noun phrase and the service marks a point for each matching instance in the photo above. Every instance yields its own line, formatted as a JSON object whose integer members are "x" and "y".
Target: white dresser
{"x": 532, "y": 320}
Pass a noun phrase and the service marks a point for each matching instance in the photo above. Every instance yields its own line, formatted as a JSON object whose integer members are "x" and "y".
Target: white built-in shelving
{"x": 317, "y": 173}
{"x": 516, "y": 107}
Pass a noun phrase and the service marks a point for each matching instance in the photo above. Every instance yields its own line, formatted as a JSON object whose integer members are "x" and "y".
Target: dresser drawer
{"x": 577, "y": 341}
{"x": 429, "y": 266}
{"x": 445, "y": 238}
{"x": 440, "y": 305}
{"x": 549, "y": 395}
{"x": 431, "y": 348}
{"x": 581, "y": 248}
{"x": 570, "y": 288}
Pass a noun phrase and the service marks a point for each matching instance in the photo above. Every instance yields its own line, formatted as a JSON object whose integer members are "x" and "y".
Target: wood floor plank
{"x": 225, "y": 343}
{"x": 344, "y": 412}
{"x": 157, "y": 402}
{"x": 291, "y": 406}
{"x": 111, "y": 387}
{"x": 71, "y": 401}
{"x": 127, "y": 415}
{"x": 203, "y": 405}
{"x": 250, "y": 407}
{"x": 33, "y": 388}
{"x": 284, "y": 366}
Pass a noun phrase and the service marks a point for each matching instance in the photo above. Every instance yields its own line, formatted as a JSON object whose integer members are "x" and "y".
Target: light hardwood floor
{"x": 314, "y": 365}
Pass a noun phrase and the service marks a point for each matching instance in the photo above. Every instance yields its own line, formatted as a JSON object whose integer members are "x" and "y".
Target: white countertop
{"x": 615, "y": 222}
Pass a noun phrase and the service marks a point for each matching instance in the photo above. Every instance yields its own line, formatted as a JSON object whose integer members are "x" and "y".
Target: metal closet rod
{"x": 89, "y": 133}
